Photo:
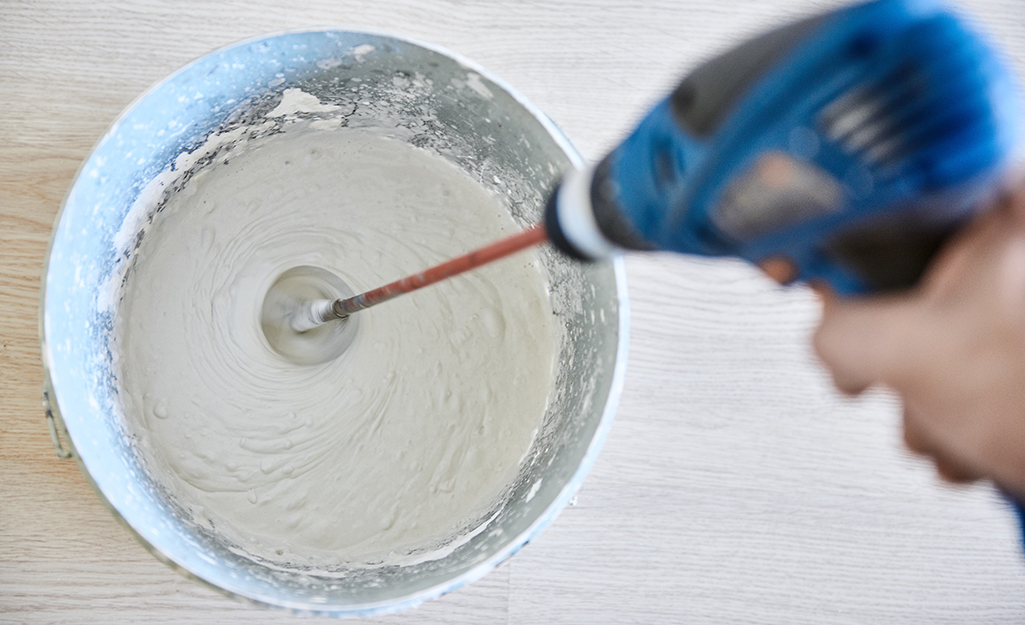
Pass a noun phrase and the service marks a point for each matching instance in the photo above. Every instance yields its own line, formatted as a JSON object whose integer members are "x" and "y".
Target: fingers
{"x": 917, "y": 439}
{"x": 952, "y": 349}
{"x": 863, "y": 342}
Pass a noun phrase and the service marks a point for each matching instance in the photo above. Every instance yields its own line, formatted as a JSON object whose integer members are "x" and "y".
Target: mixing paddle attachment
{"x": 287, "y": 298}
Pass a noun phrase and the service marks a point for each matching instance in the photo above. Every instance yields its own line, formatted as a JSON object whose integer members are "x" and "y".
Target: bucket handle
{"x": 53, "y": 422}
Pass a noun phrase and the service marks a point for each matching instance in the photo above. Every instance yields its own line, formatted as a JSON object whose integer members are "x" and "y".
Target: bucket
{"x": 410, "y": 91}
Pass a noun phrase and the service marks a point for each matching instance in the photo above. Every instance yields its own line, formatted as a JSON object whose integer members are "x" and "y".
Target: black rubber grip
{"x": 608, "y": 213}
{"x": 889, "y": 256}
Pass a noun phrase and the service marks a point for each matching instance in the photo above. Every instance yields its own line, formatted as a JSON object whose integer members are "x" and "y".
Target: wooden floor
{"x": 735, "y": 487}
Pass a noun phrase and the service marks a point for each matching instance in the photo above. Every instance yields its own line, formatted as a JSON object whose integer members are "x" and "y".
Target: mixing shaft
{"x": 302, "y": 301}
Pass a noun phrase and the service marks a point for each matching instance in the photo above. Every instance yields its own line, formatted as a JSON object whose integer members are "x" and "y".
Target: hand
{"x": 953, "y": 349}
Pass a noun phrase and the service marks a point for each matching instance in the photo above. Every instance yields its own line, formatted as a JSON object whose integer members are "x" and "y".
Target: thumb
{"x": 861, "y": 341}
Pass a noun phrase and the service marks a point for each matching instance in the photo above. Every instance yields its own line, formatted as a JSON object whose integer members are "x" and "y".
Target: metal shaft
{"x": 534, "y": 235}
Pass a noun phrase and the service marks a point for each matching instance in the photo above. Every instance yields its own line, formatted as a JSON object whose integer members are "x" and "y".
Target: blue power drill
{"x": 844, "y": 148}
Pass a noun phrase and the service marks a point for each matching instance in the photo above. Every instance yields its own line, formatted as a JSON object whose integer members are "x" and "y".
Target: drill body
{"x": 844, "y": 148}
